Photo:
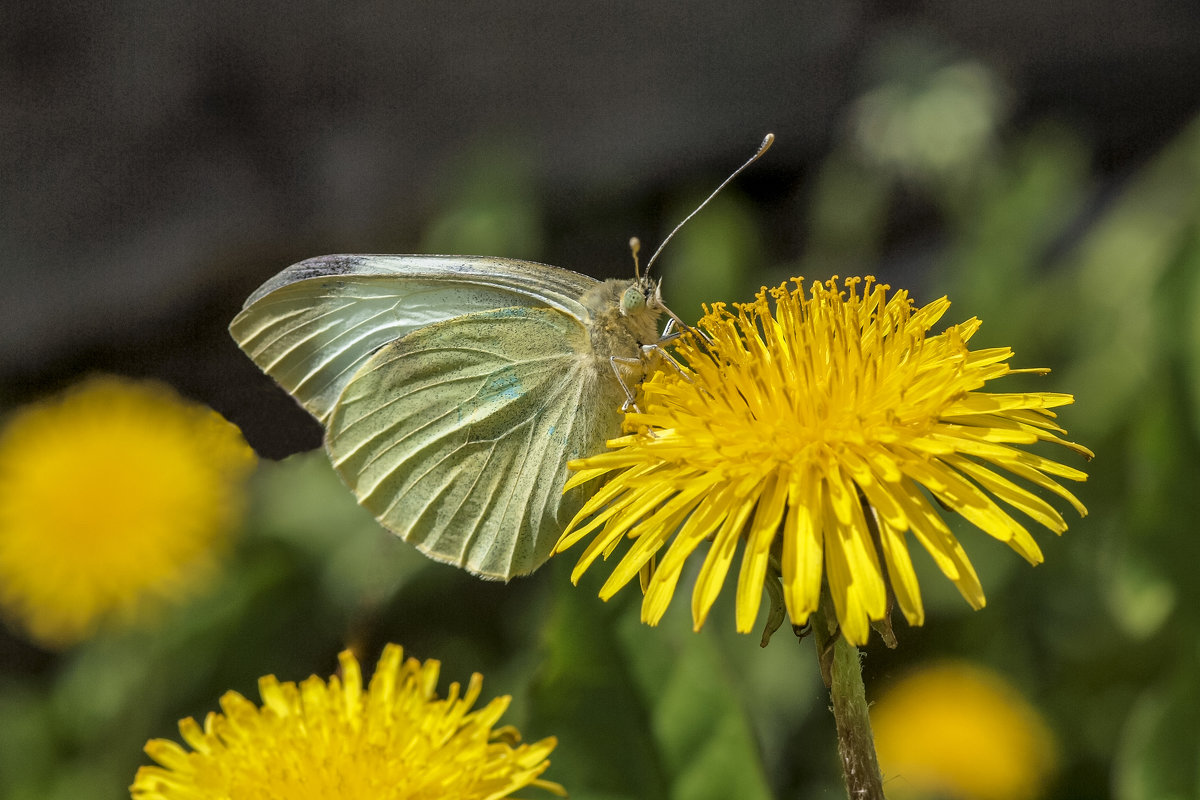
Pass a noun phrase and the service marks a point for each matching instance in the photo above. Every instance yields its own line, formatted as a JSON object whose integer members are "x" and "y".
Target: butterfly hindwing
{"x": 457, "y": 435}
{"x": 312, "y": 326}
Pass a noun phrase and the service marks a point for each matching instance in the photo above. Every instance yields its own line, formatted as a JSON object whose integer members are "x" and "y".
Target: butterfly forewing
{"x": 312, "y": 326}
{"x": 457, "y": 435}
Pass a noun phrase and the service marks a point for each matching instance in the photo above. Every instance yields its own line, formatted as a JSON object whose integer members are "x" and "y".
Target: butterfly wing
{"x": 312, "y": 326}
{"x": 457, "y": 435}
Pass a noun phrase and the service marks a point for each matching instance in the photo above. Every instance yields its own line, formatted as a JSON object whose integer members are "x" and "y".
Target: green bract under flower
{"x": 812, "y": 431}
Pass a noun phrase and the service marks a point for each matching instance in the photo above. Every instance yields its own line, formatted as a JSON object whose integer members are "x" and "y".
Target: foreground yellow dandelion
{"x": 114, "y": 497}
{"x": 957, "y": 730}
{"x": 809, "y": 432}
{"x": 395, "y": 741}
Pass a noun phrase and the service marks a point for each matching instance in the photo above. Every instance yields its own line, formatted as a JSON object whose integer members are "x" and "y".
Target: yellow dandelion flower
{"x": 956, "y": 730}
{"x": 395, "y": 741}
{"x": 813, "y": 433}
{"x": 114, "y": 497}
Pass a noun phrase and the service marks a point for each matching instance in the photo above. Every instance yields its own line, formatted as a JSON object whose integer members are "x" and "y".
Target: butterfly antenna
{"x": 767, "y": 141}
{"x": 635, "y": 247}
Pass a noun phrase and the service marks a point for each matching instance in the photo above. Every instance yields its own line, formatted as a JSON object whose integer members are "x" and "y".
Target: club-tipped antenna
{"x": 635, "y": 247}
{"x": 767, "y": 141}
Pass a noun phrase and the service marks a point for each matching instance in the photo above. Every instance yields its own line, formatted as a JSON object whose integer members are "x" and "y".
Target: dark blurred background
{"x": 1038, "y": 162}
{"x": 159, "y": 162}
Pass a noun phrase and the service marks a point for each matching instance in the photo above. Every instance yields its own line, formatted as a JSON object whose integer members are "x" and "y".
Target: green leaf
{"x": 588, "y": 697}
{"x": 1190, "y": 328}
{"x": 641, "y": 711}
{"x": 26, "y": 740}
{"x": 697, "y": 718}
{"x": 1120, "y": 268}
{"x": 1020, "y": 210}
{"x": 302, "y": 502}
{"x": 1158, "y": 757}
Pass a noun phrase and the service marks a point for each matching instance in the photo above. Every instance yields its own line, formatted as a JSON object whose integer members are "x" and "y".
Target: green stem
{"x": 841, "y": 669}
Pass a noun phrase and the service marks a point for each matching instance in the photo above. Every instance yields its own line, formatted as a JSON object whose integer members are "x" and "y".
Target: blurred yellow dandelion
{"x": 114, "y": 497}
{"x": 812, "y": 432}
{"x": 956, "y": 730}
{"x": 395, "y": 741}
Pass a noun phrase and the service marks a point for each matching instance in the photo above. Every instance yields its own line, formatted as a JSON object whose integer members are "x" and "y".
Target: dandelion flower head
{"x": 395, "y": 741}
{"x": 812, "y": 431}
{"x": 957, "y": 730}
{"x": 115, "y": 497}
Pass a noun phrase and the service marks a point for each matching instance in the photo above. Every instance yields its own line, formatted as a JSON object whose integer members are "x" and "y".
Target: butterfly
{"x": 454, "y": 389}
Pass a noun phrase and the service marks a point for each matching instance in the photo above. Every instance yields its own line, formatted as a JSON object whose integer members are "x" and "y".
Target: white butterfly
{"x": 454, "y": 389}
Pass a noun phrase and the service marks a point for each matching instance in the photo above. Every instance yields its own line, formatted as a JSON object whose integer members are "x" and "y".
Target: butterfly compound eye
{"x": 633, "y": 300}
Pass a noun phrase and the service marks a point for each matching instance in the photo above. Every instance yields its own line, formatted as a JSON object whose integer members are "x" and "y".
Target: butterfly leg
{"x": 619, "y": 365}
{"x": 673, "y": 330}
{"x": 655, "y": 353}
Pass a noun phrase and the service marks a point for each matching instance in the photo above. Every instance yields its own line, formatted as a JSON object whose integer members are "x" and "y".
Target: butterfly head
{"x": 643, "y": 294}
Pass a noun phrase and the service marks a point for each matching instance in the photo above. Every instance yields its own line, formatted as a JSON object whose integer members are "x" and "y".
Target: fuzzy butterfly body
{"x": 454, "y": 389}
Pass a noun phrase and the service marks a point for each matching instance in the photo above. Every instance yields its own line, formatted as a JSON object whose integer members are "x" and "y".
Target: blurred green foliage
{"x": 1099, "y": 281}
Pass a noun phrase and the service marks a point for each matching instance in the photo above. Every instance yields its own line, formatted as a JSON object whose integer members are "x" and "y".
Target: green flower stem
{"x": 841, "y": 669}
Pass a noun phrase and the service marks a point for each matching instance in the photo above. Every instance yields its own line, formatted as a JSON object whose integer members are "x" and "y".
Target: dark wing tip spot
{"x": 317, "y": 267}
